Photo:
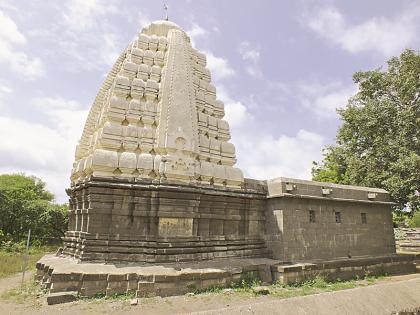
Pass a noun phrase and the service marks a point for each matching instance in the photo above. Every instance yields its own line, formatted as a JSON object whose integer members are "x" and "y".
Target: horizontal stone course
{"x": 223, "y": 222}
{"x": 408, "y": 240}
{"x": 180, "y": 278}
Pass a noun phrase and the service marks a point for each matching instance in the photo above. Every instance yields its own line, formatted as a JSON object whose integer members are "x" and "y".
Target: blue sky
{"x": 281, "y": 68}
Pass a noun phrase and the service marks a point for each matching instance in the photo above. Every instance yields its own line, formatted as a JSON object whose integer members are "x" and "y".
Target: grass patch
{"x": 312, "y": 286}
{"x": 100, "y": 297}
{"x": 245, "y": 285}
{"x": 11, "y": 262}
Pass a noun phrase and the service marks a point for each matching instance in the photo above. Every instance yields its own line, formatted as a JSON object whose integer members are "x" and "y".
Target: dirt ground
{"x": 217, "y": 303}
{"x": 150, "y": 306}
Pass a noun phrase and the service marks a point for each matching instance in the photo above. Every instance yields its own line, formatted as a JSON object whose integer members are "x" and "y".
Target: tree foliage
{"x": 378, "y": 143}
{"x": 24, "y": 204}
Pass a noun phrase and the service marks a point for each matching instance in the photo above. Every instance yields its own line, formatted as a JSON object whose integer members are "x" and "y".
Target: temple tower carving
{"x": 157, "y": 116}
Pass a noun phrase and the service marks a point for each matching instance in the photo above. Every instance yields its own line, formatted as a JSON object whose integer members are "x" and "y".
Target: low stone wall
{"x": 344, "y": 269}
{"x": 407, "y": 240}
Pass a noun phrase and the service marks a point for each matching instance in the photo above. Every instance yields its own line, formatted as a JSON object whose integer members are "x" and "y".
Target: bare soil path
{"x": 390, "y": 294}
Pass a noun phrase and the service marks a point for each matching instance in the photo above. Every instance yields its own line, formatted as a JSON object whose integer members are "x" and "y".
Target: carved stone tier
{"x": 157, "y": 117}
{"x": 143, "y": 221}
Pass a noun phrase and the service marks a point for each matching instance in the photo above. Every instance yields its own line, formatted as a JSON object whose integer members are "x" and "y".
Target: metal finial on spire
{"x": 165, "y": 8}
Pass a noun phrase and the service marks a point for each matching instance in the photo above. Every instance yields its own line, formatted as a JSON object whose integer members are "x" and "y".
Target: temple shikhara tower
{"x": 157, "y": 116}
{"x": 155, "y": 163}
{"x": 157, "y": 206}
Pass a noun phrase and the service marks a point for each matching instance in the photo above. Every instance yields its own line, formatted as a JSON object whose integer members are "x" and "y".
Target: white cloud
{"x": 84, "y": 14}
{"x": 109, "y": 52}
{"x": 325, "y": 99}
{"x": 219, "y": 67}
{"x": 236, "y": 114}
{"x": 254, "y": 71}
{"x": 143, "y": 20}
{"x": 251, "y": 55}
{"x": 195, "y": 33}
{"x": 8, "y": 6}
{"x": 248, "y": 53}
{"x": 41, "y": 150}
{"x": 66, "y": 116}
{"x": 10, "y": 53}
{"x": 388, "y": 36}
{"x": 49, "y": 104}
{"x": 262, "y": 156}
{"x": 4, "y": 90}
{"x": 266, "y": 157}
{"x": 259, "y": 155}
{"x": 83, "y": 33}
{"x": 86, "y": 28}
{"x": 9, "y": 31}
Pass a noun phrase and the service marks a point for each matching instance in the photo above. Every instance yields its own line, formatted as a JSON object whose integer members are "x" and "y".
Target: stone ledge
{"x": 253, "y": 189}
{"x": 327, "y": 198}
{"x": 61, "y": 297}
{"x": 62, "y": 274}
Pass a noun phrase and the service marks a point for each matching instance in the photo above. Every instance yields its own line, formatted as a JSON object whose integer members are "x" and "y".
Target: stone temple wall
{"x": 115, "y": 220}
{"x": 310, "y": 221}
{"x": 127, "y": 221}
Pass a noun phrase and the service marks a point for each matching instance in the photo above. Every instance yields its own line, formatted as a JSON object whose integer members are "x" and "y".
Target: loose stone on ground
{"x": 61, "y": 297}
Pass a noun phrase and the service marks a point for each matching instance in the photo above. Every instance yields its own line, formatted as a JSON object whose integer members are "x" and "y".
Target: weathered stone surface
{"x": 123, "y": 221}
{"x": 261, "y": 290}
{"x": 408, "y": 240}
{"x": 61, "y": 297}
{"x": 302, "y": 224}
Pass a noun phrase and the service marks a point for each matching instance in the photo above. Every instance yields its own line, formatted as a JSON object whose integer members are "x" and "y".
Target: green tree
{"x": 24, "y": 204}
{"x": 378, "y": 143}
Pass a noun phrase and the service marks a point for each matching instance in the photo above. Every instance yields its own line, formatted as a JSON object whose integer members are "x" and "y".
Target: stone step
{"x": 61, "y": 297}
{"x": 415, "y": 244}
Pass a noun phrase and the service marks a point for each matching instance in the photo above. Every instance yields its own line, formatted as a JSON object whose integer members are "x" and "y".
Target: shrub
{"x": 415, "y": 220}
{"x": 26, "y": 204}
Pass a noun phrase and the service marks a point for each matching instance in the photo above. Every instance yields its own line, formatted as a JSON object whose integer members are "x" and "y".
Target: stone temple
{"x": 158, "y": 206}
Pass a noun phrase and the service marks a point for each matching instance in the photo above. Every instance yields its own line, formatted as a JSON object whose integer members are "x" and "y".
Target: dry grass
{"x": 11, "y": 263}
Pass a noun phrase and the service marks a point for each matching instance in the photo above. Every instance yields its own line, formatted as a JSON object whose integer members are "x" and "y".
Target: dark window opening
{"x": 364, "y": 218}
{"x": 337, "y": 217}
{"x": 312, "y": 216}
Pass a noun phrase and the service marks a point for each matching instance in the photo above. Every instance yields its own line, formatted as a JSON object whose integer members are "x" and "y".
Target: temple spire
{"x": 157, "y": 117}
